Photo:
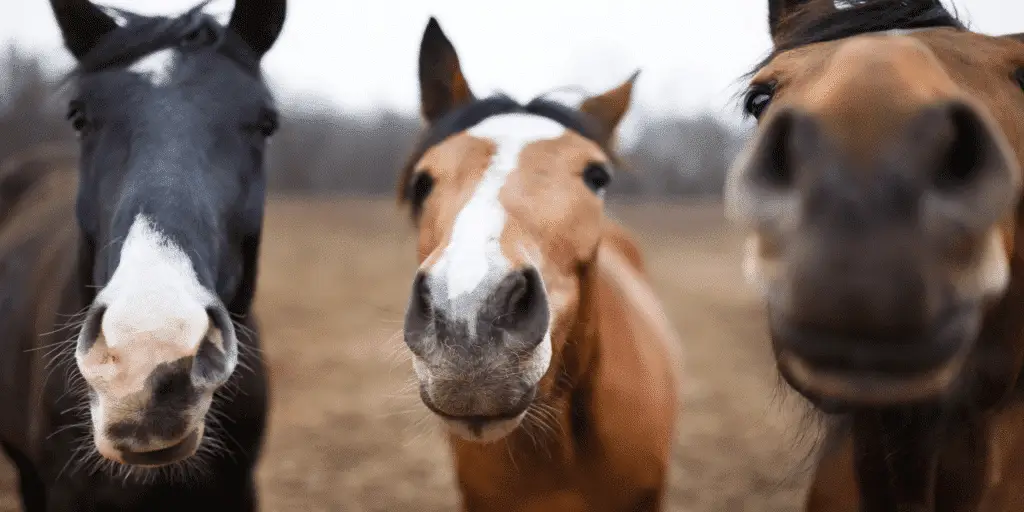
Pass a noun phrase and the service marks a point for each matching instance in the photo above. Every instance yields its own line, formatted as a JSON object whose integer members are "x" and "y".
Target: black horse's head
{"x": 173, "y": 118}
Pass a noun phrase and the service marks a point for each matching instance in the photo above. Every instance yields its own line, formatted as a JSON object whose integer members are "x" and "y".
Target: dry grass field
{"x": 348, "y": 434}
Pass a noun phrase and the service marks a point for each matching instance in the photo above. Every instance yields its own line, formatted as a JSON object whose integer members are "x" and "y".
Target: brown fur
{"x": 618, "y": 369}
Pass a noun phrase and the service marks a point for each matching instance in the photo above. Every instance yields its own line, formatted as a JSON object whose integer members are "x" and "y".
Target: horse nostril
{"x": 962, "y": 144}
{"x": 520, "y": 305}
{"x": 212, "y": 358}
{"x": 91, "y": 328}
{"x": 421, "y": 299}
{"x": 418, "y": 315}
{"x": 787, "y": 133}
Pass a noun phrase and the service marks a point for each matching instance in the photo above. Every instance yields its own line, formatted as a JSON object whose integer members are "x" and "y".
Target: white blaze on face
{"x": 156, "y": 67}
{"x": 474, "y": 250}
{"x": 155, "y": 313}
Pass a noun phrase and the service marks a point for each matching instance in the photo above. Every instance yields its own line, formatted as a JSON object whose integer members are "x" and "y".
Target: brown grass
{"x": 347, "y": 432}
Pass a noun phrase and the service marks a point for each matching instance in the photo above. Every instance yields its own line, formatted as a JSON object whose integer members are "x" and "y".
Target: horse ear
{"x": 609, "y": 108}
{"x": 82, "y": 24}
{"x": 780, "y": 10}
{"x": 258, "y": 22}
{"x": 443, "y": 87}
{"x": 1019, "y": 37}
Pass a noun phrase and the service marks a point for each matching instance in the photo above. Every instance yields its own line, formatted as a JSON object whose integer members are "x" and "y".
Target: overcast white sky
{"x": 362, "y": 54}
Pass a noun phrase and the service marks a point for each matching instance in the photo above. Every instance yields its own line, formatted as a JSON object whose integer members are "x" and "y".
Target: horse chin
{"x": 483, "y": 431}
{"x": 840, "y": 390}
{"x": 167, "y": 454}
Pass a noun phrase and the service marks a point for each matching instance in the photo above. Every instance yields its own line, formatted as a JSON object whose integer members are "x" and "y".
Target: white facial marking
{"x": 156, "y": 67}
{"x": 990, "y": 277}
{"x": 155, "y": 313}
{"x": 474, "y": 251}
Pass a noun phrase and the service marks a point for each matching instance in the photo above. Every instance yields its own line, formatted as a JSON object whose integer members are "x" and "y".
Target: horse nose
{"x": 121, "y": 347}
{"x": 513, "y": 309}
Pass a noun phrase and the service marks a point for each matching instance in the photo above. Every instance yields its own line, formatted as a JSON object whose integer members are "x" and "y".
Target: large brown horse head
{"x": 880, "y": 195}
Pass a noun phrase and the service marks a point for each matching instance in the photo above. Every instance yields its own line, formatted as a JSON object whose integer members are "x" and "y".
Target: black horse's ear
{"x": 780, "y": 10}
{"x": 82, "y": 24}
{"x": 443, "y": 87}
{"x": 258, "y": 22}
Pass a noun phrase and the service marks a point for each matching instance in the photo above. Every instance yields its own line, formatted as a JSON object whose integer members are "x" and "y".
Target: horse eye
{"x": 269, "y": 124}
{"x": 76, "y": 114}
{"x": 758, "y": 98}
{"x": 1019, "y": 77}
{"x": 419, "y": 189}
{"x": 597, "y": 177}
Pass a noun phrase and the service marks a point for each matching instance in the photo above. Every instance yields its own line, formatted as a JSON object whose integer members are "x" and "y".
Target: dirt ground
{"x": 348, "y": 433}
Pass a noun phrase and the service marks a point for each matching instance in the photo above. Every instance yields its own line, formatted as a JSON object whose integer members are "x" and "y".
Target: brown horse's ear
{"x": 780, "y": 10}
{"x": 442, "y": 84}
{"x": 609, "y": 108}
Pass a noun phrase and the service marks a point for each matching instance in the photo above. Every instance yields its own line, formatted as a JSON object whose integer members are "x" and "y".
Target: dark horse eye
{"x": 596, "y": 176}
{"x": 758, "y": 98}
{"x": 269, "y": 123}
{"x": 76, "y": 114}
{"x": 1019, "y": 77}
{"x": 419, "y": 189}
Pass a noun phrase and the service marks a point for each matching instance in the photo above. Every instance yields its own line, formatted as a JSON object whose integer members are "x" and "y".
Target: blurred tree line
{"x": 321, "y": 148}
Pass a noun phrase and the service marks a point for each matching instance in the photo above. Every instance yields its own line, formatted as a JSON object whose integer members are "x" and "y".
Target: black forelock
{"x": 477, "y": 111}
{"x": 143, "y": 35}
{"x": 820, "y": 22}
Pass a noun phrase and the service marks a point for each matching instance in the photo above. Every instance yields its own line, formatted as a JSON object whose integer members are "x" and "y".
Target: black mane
{"x": 475, "y": 112}
{"x": 143, "y": 35}
{"x": 820, "y": 22}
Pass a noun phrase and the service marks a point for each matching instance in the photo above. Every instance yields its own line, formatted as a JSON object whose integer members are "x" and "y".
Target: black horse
{"x": 122, "y": 331}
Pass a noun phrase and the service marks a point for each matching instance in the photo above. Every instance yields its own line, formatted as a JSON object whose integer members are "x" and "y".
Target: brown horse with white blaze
{"x": 535, "y": 336}
{"x": 882, "y": 198}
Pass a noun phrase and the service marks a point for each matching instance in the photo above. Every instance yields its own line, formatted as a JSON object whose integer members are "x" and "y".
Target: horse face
{"x": 880, "y": 195}
{"x": 172, "y": 115}
{"x": 509, "y": 204}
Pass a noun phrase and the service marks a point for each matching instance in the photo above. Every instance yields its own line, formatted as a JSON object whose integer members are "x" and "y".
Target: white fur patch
{"x": 474, "y": 251}
{"x": 153, "y": 289}
{"x": 156, "y": 67}
{"x": 155, "y": 313}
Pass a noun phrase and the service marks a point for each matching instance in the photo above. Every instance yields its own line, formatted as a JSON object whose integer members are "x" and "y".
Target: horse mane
{"x": 821, "y": 21}
{"x": 476, "y": 111}
{"x": 25, "y": 170}
{"x": 143, "y": 35}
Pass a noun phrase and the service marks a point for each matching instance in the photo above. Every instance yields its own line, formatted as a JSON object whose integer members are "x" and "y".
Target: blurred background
{"x": 347, "y": 430}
